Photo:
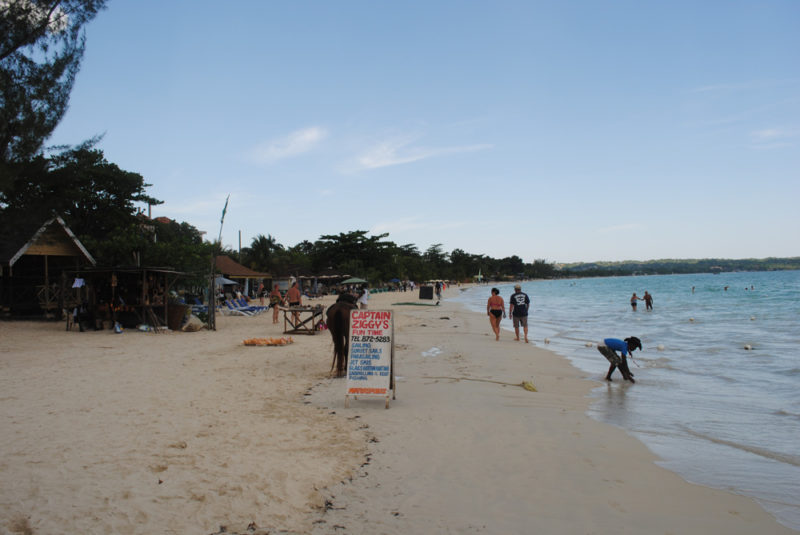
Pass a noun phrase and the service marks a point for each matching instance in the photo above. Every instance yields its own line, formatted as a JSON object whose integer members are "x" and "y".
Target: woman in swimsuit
{"x": 634, "y": 299}
{"x": 495, "y": 309}
{"x": 275, "y": 299}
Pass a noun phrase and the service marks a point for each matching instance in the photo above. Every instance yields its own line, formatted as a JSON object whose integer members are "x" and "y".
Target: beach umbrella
{"x": 394, "y": 280}
{"x": 353, "y": 280}
{"x": 222, "y": 281}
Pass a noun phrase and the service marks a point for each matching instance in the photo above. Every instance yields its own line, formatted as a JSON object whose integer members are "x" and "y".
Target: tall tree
{"x": 41, "y": 47}
{"x": 262, "y": 253}
{"x": 96, "y": 197}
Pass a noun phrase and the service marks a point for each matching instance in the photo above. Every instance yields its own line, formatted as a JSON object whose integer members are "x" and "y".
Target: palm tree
{"x": 262, "y": 251}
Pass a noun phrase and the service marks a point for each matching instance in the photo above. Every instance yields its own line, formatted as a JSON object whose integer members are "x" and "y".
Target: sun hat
{"x": 517, "y": 287}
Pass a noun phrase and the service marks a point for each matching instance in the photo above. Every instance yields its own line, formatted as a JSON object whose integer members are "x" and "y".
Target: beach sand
{"x": 196, "y": 433}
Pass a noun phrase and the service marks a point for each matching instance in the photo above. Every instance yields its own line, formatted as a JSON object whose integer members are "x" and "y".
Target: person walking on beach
{"x": 608, "y": 349}
{"x": 634, "y": 299}
{"x": 495, "y": 309}
{"x": 363, "y": 297}
{"x": 518, "y": 305}
{"x": 275, "y": 299}
{"x": 648, "y": 300}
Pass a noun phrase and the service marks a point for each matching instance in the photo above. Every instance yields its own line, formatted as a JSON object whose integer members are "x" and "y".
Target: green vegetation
{"x": 671, "y": 266}
{"x": 377, "y": 259}
{"x": 41, "y": 47}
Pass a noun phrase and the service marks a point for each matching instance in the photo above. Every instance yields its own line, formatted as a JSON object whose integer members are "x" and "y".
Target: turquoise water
{"x": 714, "y": 412}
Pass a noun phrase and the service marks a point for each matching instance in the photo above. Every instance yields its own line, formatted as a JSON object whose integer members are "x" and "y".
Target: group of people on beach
{"x": 519, "y": 302}
{"x": 648, "y": 300}
{"x": 293, "y": 297}
{"x": 518, "y": 305}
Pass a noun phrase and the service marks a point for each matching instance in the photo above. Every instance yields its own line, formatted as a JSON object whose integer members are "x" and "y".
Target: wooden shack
{"x": 32, "y": 265}
{"x": 129, "y": 295}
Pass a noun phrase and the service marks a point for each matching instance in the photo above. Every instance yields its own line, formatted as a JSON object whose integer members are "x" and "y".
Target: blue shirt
{"x": 617, "y": 345}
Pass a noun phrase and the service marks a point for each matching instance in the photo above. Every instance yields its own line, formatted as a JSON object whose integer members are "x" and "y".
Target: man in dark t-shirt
{"x": 518, "y": 305}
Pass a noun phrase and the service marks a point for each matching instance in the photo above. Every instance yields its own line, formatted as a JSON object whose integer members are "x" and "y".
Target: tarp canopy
{"x": 353, "y": 280}
{"x": 222, "y": 281}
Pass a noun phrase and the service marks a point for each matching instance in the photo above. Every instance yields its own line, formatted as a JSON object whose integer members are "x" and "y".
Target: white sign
{"x": 370, "y": 365}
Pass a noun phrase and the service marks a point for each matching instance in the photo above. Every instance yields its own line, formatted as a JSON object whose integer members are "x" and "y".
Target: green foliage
{"x": 41, "y": 46}
{"x": 671, "y": 266}
{"x": 98, "y": 201}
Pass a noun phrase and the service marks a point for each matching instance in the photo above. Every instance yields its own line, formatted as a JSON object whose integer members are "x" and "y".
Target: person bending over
{"x": 609, "y": 350}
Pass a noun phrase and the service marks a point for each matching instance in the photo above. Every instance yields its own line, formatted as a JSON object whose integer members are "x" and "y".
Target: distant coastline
{"x": 675, "y": 266}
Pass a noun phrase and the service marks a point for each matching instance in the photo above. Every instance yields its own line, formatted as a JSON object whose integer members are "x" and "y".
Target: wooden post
{"x": 46, "y": 285}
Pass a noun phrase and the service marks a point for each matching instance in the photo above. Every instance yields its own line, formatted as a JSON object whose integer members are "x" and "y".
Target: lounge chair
{"x": 197, "y": 306}
{"x": 232, "y": 310}
{"x": 243, "y": 305}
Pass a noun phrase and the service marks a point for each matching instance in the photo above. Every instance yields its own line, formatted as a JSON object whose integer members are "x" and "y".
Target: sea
{"x": 717, "y": 393}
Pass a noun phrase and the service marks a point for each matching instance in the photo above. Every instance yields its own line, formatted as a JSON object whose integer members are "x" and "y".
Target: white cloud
{"x": 771, "y": 134}
{"x": 773, "y": 137}
{"x": 293, "y": 144}
{"x": 727, "y": 87}
{"x": 399, "y": 151}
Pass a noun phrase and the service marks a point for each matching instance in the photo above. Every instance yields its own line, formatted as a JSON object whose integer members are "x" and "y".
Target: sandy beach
{"x": 196, "y": 433}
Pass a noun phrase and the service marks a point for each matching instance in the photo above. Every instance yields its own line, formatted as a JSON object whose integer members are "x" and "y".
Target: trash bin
{"x": 426, "y": 292}
{"x": 176, "y": 313}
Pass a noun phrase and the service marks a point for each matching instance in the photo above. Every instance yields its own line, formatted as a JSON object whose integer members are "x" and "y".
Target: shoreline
{"x": 457, "y": 454}
{"x": 193, "y": 432}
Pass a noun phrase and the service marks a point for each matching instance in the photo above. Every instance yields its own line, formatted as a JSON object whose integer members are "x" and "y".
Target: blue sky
{"x": 568, "y": 131}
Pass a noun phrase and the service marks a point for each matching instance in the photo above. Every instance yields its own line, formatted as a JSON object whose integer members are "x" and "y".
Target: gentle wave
{"x": 794, "y": 460}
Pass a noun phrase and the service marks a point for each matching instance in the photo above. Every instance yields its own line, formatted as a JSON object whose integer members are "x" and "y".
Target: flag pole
{"x": 212, "y": 292}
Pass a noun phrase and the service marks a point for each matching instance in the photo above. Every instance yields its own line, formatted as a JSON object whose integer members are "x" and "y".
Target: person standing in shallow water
{"x": 648, "y": 300}
{"x": 495, "y": 309}
{"x": 634, "y": 299}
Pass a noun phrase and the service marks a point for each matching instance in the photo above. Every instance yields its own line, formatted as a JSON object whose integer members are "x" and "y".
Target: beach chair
{"x": 197, "y": 306}
{"x": 243, "y": 305}
{"x": 232, "y": 310}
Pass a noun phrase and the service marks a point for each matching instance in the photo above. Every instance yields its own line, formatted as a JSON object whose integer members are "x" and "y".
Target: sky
{"x": 564, "y": 130}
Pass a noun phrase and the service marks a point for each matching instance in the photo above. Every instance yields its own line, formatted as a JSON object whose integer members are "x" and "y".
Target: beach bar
{"x": 131, "y": 296}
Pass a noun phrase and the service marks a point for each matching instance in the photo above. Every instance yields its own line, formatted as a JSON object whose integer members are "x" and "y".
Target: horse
{"x": 338, "y": 315}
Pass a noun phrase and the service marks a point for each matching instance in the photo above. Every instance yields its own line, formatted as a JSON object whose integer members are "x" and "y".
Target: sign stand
{"x": 370, "y": 366}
